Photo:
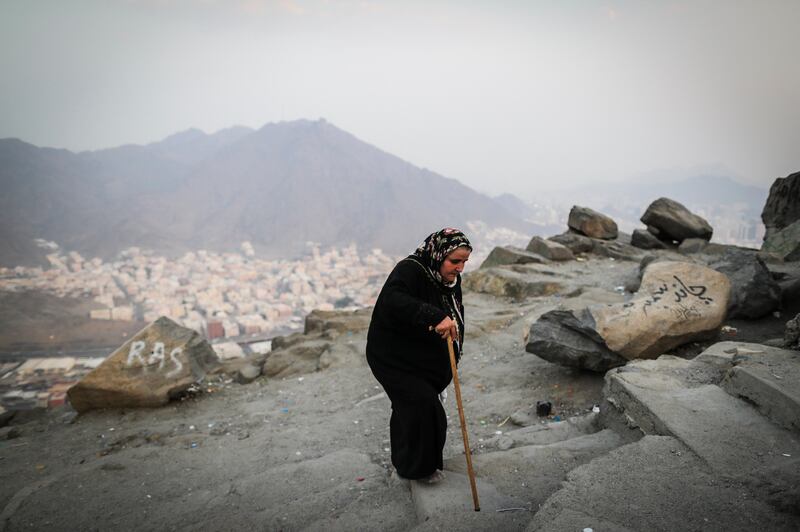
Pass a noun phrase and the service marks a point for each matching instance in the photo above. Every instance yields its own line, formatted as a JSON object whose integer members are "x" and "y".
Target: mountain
{"x": 278, "y": 187}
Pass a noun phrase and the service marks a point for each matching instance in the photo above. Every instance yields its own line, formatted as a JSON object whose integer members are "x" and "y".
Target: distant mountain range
{"x": 277, "y": 187}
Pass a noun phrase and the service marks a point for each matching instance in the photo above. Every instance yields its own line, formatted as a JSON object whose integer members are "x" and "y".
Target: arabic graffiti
{"x": 156, "y": 356}
{"x": 685, "y": 297}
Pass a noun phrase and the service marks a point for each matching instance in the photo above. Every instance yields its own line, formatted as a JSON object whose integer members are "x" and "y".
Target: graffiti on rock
{"x": 138, "y": 357}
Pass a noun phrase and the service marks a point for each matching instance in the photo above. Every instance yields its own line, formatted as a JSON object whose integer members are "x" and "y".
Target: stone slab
{"x": 727, "y": 433}
{"x": 656, "y": 483}
{"x": 770, "y": 380}
{"x": 532, "y": 473}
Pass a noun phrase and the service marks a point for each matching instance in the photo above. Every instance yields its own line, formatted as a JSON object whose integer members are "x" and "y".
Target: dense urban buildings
{"x": 227, "y": 297}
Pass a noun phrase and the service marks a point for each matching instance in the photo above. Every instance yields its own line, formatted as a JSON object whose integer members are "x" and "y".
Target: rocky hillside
{"x": 697, "y": 434}
{"x": 277, "y": 187}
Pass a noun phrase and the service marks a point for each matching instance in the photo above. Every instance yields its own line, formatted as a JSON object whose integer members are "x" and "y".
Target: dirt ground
{"x": 36, "y": 321}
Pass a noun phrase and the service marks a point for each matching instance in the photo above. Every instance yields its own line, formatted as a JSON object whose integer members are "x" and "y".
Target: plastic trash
{"x": 596, "y": 409}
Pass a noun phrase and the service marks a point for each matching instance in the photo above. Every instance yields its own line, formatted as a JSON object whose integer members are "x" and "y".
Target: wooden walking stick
{"x": 475, "y": 502}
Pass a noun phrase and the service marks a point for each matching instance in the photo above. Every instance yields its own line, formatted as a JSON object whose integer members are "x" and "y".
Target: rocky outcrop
{"x": 676, "y": 303}
{"x": 337, "y": 320}
{"x": 754, "y": 293}
{"x": 784, "y": 242}
{"x": 298, "y": 354}
{"x": 782, "y": 208}
{"x": 549, "y": 249}
{"x": 332, "y": 338}
{"x": 505, "y": 282}
{"x": 159, "y": 363}
{"x": 591, "y": 223}
{"x": 671, "y": 221}
{"x": 502, "y": 255}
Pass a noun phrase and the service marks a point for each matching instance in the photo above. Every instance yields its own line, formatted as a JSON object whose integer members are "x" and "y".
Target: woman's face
{"x": 453, "y": 264}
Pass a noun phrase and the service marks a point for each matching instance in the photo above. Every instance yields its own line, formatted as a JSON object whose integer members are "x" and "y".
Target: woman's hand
{"x": 447, "y": 327}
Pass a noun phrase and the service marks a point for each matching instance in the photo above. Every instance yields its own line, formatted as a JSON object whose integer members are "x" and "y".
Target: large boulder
{"x": 782, "y": 208}
{"x": 754, "y": 293}
{"x": 567, "y": 338}
{"x": 677, "y": 303}
{"x": 549, "y": 249}
{"x": 591, "y": 223}
{"x": 502, "y": 255}
{"x": 675, "y": 222}
{"x": 157, "y": 364}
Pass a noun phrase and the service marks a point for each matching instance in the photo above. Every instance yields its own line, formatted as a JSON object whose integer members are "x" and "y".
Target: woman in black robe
{"x": 418, "y": 308}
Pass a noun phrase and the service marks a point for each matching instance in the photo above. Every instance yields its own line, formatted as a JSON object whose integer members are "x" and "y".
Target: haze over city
{"x": 505, "y": 97}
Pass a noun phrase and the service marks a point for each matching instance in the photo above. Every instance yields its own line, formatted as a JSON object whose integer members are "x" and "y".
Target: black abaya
{"x": 412, "y": 364}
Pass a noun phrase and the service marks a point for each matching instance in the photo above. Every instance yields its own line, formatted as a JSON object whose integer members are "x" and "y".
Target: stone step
{"x": 533, "y": 472}
{"x": 729, "y": 434}
{"x": 448, "y": 505}
{"x": 656, "y": 483}
{"x": 767, "y": 377}
{"x": 544, "y": 433}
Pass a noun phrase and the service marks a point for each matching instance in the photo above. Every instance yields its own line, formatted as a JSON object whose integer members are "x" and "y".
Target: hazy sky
{"x": 503, "y": 96}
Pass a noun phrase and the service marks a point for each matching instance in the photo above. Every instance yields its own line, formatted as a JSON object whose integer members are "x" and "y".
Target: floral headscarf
{"x": 432, "y": 252}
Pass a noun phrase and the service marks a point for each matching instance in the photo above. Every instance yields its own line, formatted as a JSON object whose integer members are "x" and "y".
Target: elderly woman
{"x": 417, "y": 309}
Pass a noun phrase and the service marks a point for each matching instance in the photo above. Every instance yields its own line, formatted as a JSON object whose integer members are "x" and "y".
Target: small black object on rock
{"x": 543, "y": 408}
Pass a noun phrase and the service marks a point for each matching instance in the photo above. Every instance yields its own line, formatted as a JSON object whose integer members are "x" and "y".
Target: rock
{"x": 754, "y": 293}
{"x": 791, "y": 336}
{"x": 674, "y": 221}
{"x": 228, "y": 350}
{"x": 549, "y": 249}
{"x": 247, "y": 374}
{"x": 157, "y": 364}
{"x": 616, "y": 250}
{"x": 338, "y": 320}
{"x": 342, "y": 354}
{"x": 575, "y": 242}
{"x": 591, "y": 223}
{"x": 676, "y": 303}
{"x": 782, "y": 207}
{"x": 300, "y": 357}
{"x": 767, "y": 379}
{"x": 563, "y": 338}
{"x": 502, "y": 255}
{"x": 9, "y": 433}
{"x": 693, "y": 245}
{"x": 5, "y": 416}
{"x": 502, "y": 282}
{"x": 647, "y": 240}
{"x": 784, "y": 243}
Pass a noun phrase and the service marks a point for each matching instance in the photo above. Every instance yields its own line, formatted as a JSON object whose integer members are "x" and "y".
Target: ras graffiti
{"x": 138, "y": 357}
